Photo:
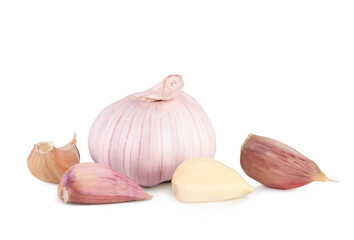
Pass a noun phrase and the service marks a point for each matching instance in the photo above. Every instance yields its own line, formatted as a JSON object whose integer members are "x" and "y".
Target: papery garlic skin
{"x": 207, "y": 180}
{"x": 48, "y": 163}
{"x": 277, "y": 165}
{"x": 93, "y": 183}
{"x": 146, "y": 135}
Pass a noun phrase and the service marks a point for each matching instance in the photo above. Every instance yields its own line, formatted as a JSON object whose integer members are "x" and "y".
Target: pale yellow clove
{"x": 48, "y": 163}
{"x": 206, "y": 180}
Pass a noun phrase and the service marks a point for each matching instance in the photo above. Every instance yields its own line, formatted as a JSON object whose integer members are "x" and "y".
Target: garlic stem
{"x": 165, "y": 90}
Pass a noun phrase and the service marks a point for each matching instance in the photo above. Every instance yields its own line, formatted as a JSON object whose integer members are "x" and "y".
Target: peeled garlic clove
{"x": 206, "y": 180}
{"x": 277, "y": 165}
{"x": 95, "y": 183}
{"x": 49, "y": 163}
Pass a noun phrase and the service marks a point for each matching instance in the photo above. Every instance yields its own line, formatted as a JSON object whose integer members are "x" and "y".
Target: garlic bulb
{"x": 146, "y": 135}
{"x": 49, "y": 163}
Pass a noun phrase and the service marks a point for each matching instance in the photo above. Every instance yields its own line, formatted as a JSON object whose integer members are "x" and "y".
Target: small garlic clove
{"x": 48, "y": 163}
{"x": 206, "y": 180}
{"x": 277, "y": 165}
{"x": 95, "y": 183}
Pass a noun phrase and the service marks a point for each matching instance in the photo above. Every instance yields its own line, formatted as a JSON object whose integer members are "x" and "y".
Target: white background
{"x": 282, "y": 69}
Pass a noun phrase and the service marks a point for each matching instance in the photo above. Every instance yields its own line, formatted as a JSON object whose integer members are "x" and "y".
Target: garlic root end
{"x": 63, "y": 195}
{"x": 245, "y": 142}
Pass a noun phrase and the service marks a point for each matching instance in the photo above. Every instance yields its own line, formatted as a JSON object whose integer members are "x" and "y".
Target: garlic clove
{"x": 277, "y": 165}
{"x": 48, "y": 163}
{"x": 95, "y": 183}
{"x": 206, "y": 180}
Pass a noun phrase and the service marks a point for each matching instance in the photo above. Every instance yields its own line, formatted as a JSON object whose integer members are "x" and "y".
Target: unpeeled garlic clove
{"x": 95, "y": 183}
{"x": 277, "y": 165}
{"x": 206, "y": 180}
{"x": 48, "y": 163}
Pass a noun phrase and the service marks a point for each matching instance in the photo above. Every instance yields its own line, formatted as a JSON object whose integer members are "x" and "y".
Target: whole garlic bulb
{"x": 146, "y": 135}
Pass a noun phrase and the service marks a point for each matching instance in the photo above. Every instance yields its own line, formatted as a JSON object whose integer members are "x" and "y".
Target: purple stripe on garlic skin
{"x": 148, "y": 134}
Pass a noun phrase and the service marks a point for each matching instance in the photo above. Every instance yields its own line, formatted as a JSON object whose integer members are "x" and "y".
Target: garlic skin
{"x": 48, "y": 163}
{"x": 146, "y": 135}
{"x": 207, "y": 180}
{"x": 277, "y": 165}
{"x": 94, "y": 183}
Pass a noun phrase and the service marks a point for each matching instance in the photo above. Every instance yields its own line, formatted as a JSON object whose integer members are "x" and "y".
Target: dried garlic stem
{"x": 165, "y": 90}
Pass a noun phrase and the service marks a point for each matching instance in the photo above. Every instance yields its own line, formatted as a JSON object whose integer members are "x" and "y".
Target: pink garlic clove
{"x": 277, "y": 165}
{"x": 95, "y": 183}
